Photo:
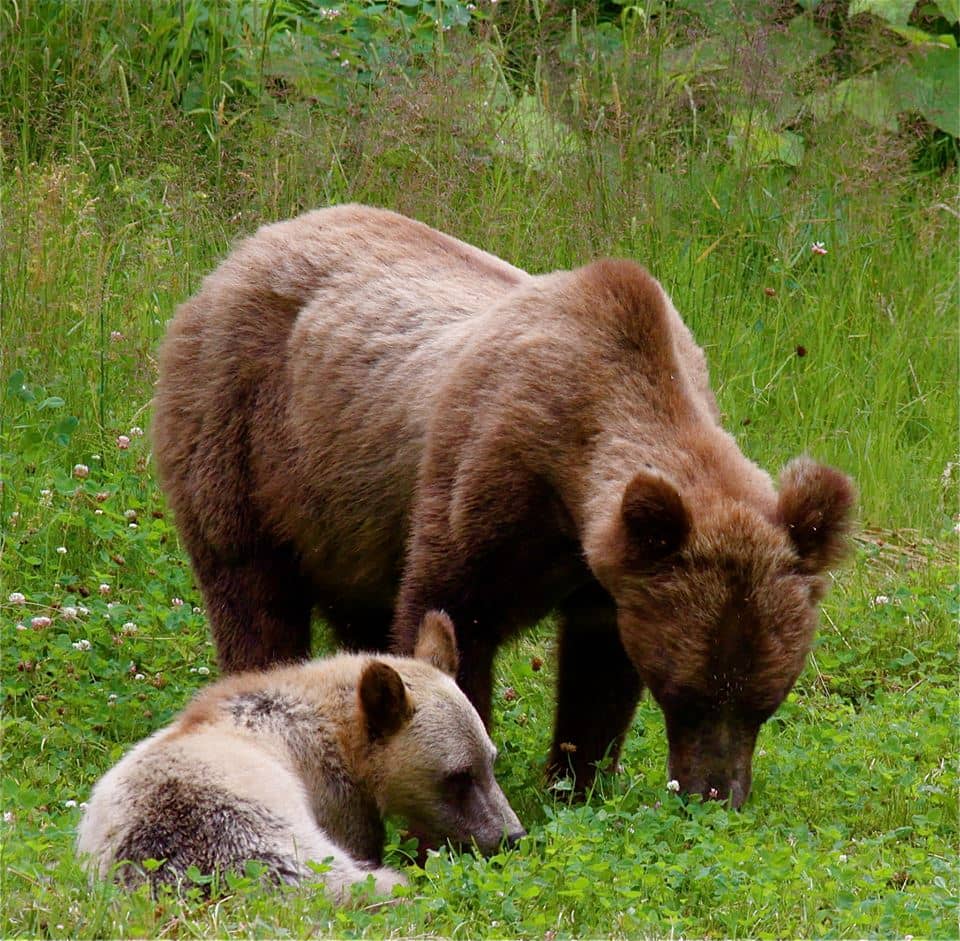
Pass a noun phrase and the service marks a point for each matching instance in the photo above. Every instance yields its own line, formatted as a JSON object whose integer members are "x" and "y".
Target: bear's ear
{"x": 656, "y": 518}
{"x": 437, "y": 643}
{"x": 816, "y": 507}
{"x": 384, "y": 703}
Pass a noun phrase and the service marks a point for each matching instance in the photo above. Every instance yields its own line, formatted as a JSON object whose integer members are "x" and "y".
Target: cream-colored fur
{"x": 298, "y": 765}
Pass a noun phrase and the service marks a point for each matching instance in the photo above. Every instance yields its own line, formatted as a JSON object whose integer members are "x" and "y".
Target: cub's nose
{"x": 512, "y": 839}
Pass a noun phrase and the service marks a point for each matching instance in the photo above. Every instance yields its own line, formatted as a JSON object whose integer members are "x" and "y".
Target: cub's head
{"x": 430, "y": 759}
{"x": 717, "y": 611}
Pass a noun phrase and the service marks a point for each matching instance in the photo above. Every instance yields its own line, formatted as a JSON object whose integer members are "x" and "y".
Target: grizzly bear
{"x": 361, "y": 415}
{"x": 299, "y": 764}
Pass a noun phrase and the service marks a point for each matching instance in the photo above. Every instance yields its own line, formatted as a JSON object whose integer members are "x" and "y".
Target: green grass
{"x": 115, "y": 203}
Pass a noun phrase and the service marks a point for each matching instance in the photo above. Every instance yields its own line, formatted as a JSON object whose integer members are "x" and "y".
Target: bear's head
{"x": 717, "y": 610}
{"x": 429, "y": 758}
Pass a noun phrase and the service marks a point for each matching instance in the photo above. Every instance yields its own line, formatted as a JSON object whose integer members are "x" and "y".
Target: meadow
{"x": 791, "y": 180}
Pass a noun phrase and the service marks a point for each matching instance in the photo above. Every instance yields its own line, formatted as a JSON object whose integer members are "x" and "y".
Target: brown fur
{"x": 364, "y": 415}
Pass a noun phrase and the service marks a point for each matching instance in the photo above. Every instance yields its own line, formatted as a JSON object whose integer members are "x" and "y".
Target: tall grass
{"x": 136, "y": 147}
{"x": 115, "y": 204}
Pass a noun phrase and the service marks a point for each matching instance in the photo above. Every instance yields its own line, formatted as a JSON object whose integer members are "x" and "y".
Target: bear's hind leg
{"x": 597, "y": 687}
{"x": 259, "y": 608}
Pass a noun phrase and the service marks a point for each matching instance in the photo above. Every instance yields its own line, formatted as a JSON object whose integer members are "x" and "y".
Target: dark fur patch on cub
{"x": 262, "y": 708}
{"x": 183, "y": 825}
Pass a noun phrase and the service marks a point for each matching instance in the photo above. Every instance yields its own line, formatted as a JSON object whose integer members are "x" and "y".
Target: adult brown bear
{"x": 361, "y": 414}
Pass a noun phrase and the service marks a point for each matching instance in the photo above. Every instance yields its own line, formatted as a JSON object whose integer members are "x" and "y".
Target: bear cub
{"x": 301, "y": 763}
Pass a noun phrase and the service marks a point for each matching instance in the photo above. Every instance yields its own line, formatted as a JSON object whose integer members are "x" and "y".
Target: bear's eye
{"x": 758, "y": 711}
{"x": 458, "y": 784}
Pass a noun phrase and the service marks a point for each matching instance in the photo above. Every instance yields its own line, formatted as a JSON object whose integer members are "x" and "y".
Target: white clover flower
{"x": 17, "y": 597}
{"x": 112, "y": 697}
{"x": 842, "y": 858}
{"x": 8, "y": 816}
{"x": 138, "y": 676}
{"x": 673, "y": 785}
{"x": 14, "y": 518}
{"x": 80, "y": 471}
{"x": 104, "y": 589}
{"x": 818, "y": 248}
{"x": 123, "y": 442}
{"x": 136, "y": 432}
{"x": 130, "y": 627}
{"x": 82, "y": 611}
{"x": 132, "y": 526}
{"x": 98, "y": 512}
{"x": 130, "y": 514}
{"x": 82, "y": 644}
{"x": 197, "y": 610}
{"x": 21, "y": 626}
{"x": 68, "y": 613}
{"x": 40, "y": 621}
{"x": 177, "y": 602}
{"x": 880, "y": 600}
{"x": 116, "y": 336}
{"x": 46, "y": 493}
{"x": 61, "y": 550}
{"x": 70, "y": 803}
{"x": 203, "y": 671}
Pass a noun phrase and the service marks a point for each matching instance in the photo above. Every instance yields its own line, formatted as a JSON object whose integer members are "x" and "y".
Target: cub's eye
{"x": 458, "y": 784}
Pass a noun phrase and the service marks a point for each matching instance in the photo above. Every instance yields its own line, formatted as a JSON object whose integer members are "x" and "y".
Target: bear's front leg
{"x": 496, "y": 551}
{"x": 597, "y": 687}
{"x": 476, "y": 634}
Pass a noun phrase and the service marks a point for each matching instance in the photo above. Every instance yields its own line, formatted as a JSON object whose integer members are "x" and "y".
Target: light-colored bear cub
{"x": 301, "y": 763}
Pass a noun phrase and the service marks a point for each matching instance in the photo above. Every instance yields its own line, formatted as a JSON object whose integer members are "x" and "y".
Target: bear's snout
{"x": 712, "y": 786}
{"x": 717, "y": 788}
{"x": 713, "y": 759}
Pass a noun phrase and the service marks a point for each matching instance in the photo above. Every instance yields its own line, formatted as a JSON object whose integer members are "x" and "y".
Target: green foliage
{"x": 717, "y": 150}
{"x": 788, "y": 65}
{"x": 211, "y": 58}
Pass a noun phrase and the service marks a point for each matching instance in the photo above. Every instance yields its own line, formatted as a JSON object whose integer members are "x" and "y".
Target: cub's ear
{"x": 656, "y": 519}
{"x": 384, "y": 703}
{"x": 437, "y": 642}
{"x": 816, "y": 506}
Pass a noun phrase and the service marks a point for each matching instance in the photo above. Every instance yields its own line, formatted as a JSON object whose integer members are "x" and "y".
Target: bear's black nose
{"x": 511, "y": 839}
